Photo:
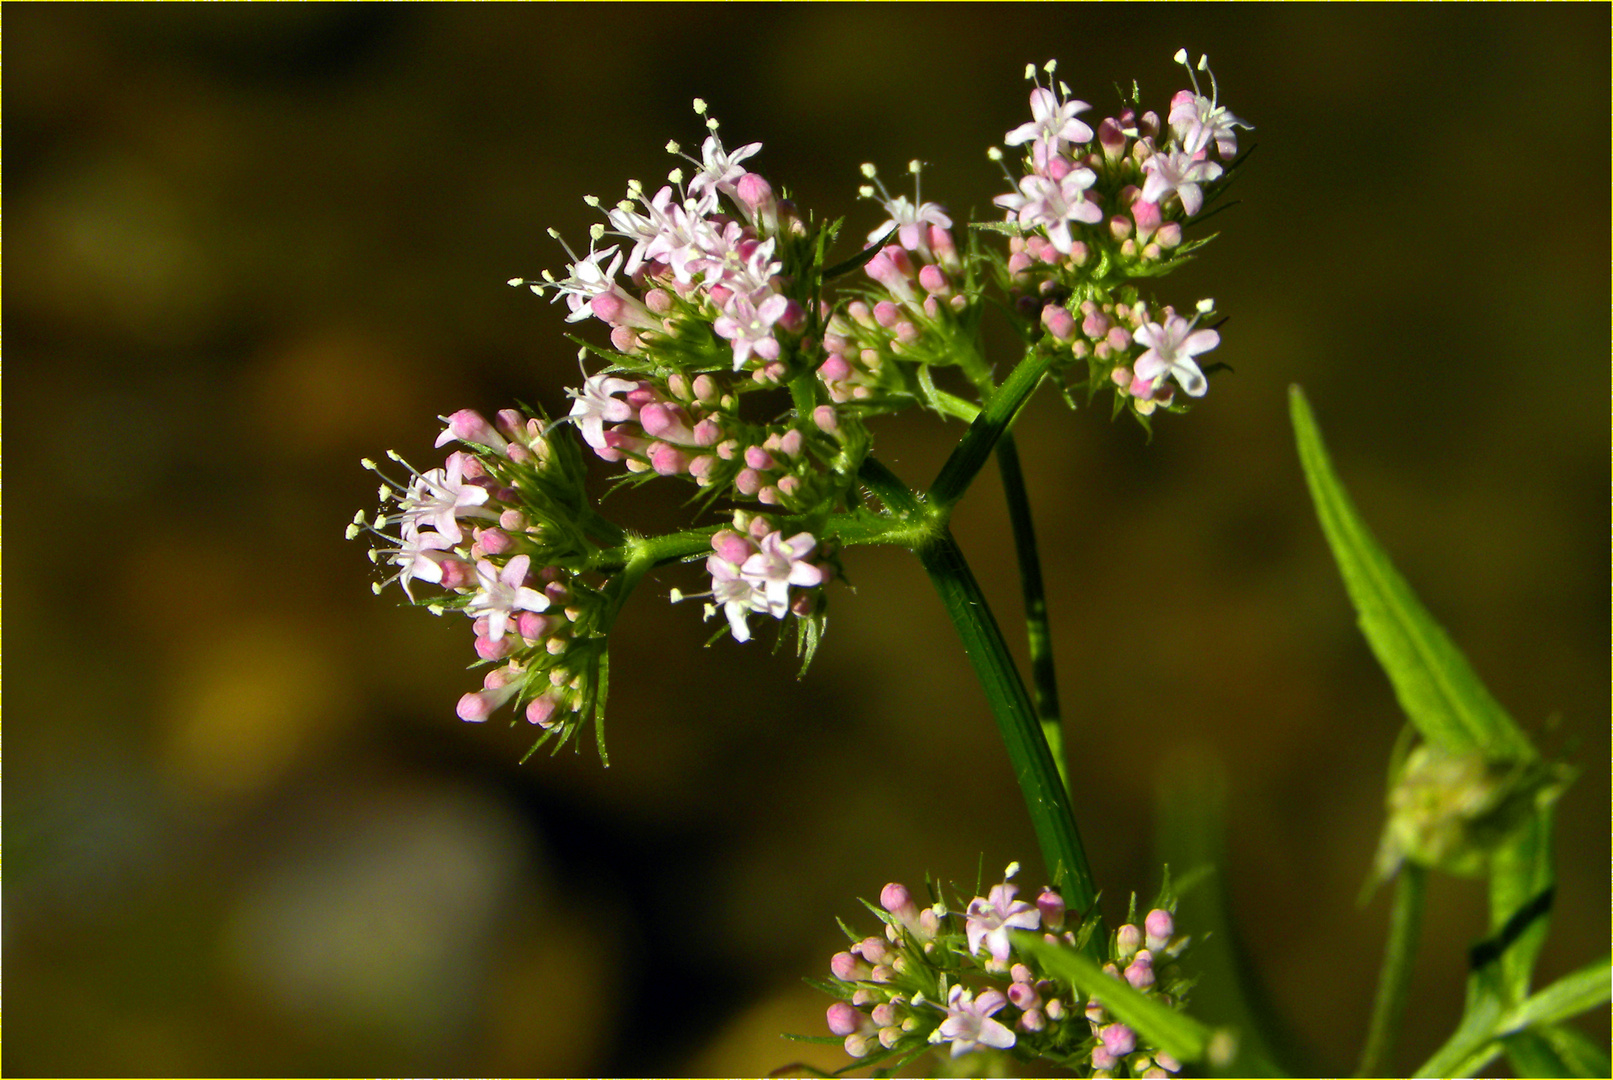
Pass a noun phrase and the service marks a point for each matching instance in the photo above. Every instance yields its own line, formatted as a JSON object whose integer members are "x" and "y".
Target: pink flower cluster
{"x": 925, "y": 983}
{"x": 687, "y": 427}
{"x": 753, "y": 568}
{"x": 1068, "y": 179}
{"x": 911, "y": 316}
{"x": 694, "y": 256}
{"x": 470, "y": 528}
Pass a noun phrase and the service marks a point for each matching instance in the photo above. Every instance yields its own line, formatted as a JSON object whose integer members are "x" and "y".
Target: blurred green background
{"x": 250, "y": 244}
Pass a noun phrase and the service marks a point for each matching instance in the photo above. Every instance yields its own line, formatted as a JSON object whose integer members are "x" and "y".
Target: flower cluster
{"x": 1096, "y": 209}
{"x": 503, "y": 529}
{"x": 733, "y": 365}
{"x": 753, "y": 566}
{"x": 927, "y": 982}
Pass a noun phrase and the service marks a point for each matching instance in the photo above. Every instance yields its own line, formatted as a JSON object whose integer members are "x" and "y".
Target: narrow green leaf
{"x": 1583, "y": 1055}
{"x": 1569, "y": 996}
{"x": 1530, "y": 1055}
{"x": 1435, "y": 686}
{"x": 1174, "y": 1032}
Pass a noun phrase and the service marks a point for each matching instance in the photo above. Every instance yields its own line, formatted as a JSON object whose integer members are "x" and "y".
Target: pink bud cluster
{"x": 1143, "y": 957}
{"x": 929, "y": 981}
{"x": 680, "y": 426}
{"x": 753, "y": 568}
{"x": 475, "y": 529}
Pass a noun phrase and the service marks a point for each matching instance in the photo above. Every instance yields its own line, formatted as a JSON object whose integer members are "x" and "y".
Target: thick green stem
{"x": 1405, "y": 924}
{"x": 1039, "y": 781}
{"x": 1043, "y": 681}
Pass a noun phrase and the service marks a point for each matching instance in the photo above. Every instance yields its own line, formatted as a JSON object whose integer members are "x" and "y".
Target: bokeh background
{"x": 250, "y": 244}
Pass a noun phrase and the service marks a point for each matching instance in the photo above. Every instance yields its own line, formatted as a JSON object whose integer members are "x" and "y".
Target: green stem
{"x": 970, "y": 455}
{"x": 1405, "y": 924}
{"x": 1043, "y": 680}
{"x": 1039, "y": 781}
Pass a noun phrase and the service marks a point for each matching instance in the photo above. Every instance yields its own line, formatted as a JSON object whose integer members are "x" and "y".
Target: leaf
{"x": 1530, "y": 1055}
{"x": 1569, "y": 996}
{"x": 1582, "y": 1054}
{"x": 1433, "y": 682}
{"x": 1176, "y": 1033}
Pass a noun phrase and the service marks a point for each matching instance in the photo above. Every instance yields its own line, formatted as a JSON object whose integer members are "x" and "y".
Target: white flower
{"x": 969, "y": 1026}
{"x": 718, "y": 167}
{"x": 1181, "y": 172}
{"x": 1052, "y": 125}
{"x": 594, "y": 404}
{"x": 1199, "y": 120}
{"x": 501, "y": 593}
{"x": 909, "y": 221}
{"x": 587, "y": 281}
{"x": 437, "y": 498}
{"x": 1054, "y": 204}
{"x": 779, "y": 564}
{"x": 1171, "y": 349}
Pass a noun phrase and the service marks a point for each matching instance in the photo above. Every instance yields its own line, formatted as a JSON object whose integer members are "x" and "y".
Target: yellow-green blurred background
{"x": 249, "y": 245}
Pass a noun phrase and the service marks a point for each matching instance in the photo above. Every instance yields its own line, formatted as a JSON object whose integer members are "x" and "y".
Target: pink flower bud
{"x": 946, "y": 252}
{"x": 754, "y": 193}
{"x": 895, "y": 899}
{"x": 885, "y": 1015}
{"x": 934, "y": 280}
{"x": 757, "y": 458}
{"x": 849, "y": 968}
{"x": 1051, "y": 905}
{"x": 534, "y": 627}
{"x": 470, "y": 426}
{"x": 1146, "y": 215}
{"x": 667, "y": 422}
{"x": 540, "y": 711}
{"x": 788, "y": 485}
{"x": 824, "y": 416}
{"x": 790, "y": 444}
{"x": 1169, "y": 235}
{"x": 843, "y": 1019}
{"x": 457, "y": 574}
{"x": 1059, "y": 322}
{"x": 873, "y": 949}
{"x": 887, "y": 314}
{"x": 731, "y": 547}
{"x": 668, "y": 460}
{"x": 1118, "y": 1039}
{"x": 748, "y": 482}
{"x": 1118, "y": 338}
{"x": 1023, "y": 995}
{"x": 1140, "y": 972}
{"x": 474, "y": 708}
{"x": 1128, "y": 939}
{"x": 794, "y": 317}
{"x": 1160, "y": 927}
{"x": 1112, "y": 140}
{"x": 488, "y": 649}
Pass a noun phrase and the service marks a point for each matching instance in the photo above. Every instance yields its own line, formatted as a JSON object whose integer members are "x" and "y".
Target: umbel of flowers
{"x": 935, "y": 978}
{"x": 746, "y": 363}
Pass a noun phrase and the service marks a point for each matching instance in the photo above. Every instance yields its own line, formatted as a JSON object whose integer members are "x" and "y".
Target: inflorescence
{"x": 963, "y": 984}
{"x": 746, "y": 364}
